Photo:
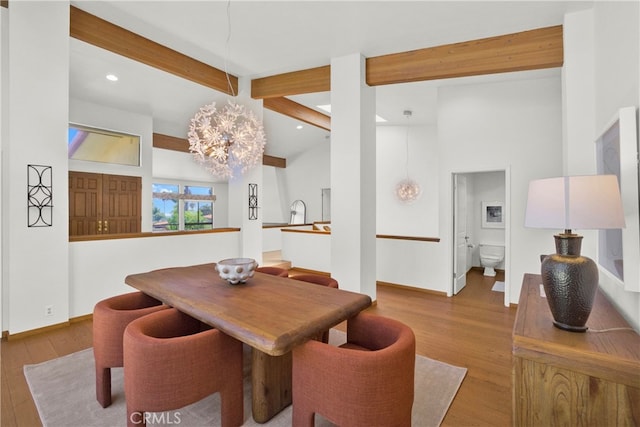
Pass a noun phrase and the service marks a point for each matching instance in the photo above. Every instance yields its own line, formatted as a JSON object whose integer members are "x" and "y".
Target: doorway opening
{"x": 481, "y": 224}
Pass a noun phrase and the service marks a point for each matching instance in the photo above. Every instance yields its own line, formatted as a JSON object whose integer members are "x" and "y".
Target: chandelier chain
{"x": 407, "y": 114}
{"x": 229, "y": 139}
{"x": 228, "y": 48}
{"x": 407, "y": 190}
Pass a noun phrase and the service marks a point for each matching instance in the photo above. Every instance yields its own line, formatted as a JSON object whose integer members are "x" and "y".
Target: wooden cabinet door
{"x": 104, "y": 204}
{"x": 85, "y": 203}
{"x": 121, "y": 204}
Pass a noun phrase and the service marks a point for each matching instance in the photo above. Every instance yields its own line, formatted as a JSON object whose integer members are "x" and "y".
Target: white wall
{"x": 4, "y": 136}
{"x": 602, "y": 74}
{"x": 419, "y": 218}
{"x": 303, "y": 179}
{"x": 308, "y": 250}
{"x": 98, "y": 268}
{"x": 409, "y": 263}
{"x": 498, "y": 126}
{"x": 308, "y": 173}
{"x": 35, "y": 259}
{"x": 272, "y": 237}
{"x": 273, "y": 202}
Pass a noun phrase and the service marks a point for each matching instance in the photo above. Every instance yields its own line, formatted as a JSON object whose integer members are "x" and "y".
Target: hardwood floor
{"x": 472, "y": 330}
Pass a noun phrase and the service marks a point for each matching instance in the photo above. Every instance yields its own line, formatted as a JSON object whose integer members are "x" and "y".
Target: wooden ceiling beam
{"x": 298, "y": 111}
{"x": 168, "y": 142}
{"x": 526, "y": 50}
{"x": 311, "y": 80}
{"x": 98, "y": 32}
{"x": 277, "y": 162}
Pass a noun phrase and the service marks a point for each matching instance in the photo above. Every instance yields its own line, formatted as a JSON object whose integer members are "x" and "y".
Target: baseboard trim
{"x": 36, "y": 331}
{"x": 412, "y": 288}
{"x": 81, "y": 318}
{"x": 7, "y": 336}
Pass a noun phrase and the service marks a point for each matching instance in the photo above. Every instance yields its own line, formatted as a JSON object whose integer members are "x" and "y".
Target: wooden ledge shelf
{"x": 153, "y": 234}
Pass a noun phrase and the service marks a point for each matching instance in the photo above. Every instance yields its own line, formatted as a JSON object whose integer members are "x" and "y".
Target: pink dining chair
{"x": 318, "y": 279}
{"x": 172, "y": 360}
{"x": 368, "y": 381}
{"x": 274, "y": 271}
{"x": 110, "y": 317}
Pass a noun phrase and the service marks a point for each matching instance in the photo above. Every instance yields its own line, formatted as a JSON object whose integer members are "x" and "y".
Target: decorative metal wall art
{"x": 39, "y": 196}
{"x": 253, "y": 201}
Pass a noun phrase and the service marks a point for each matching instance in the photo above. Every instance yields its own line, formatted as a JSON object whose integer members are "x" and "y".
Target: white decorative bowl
{"x": 236, "y": 270}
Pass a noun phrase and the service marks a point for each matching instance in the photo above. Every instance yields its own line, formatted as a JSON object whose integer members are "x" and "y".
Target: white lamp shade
{"x": 575, "y": 202}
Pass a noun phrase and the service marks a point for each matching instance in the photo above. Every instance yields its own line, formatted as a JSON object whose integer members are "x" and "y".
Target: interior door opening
{"x": 471, "y": 191}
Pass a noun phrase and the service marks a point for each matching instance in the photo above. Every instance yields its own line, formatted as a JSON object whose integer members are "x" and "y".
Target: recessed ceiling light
{"x": 299, "y": 127}
{"x": 112, "y": 77}
{"x": 327, "y": 108}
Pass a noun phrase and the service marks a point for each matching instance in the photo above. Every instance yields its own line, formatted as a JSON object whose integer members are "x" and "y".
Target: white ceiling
{"x": 272, "y": 37}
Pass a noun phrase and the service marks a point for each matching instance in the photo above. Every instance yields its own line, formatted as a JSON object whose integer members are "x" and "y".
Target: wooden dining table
{"x": 269, "y": 313}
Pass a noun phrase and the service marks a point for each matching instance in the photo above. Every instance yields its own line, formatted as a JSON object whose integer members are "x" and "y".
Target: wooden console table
{"x": 572, "y": 378}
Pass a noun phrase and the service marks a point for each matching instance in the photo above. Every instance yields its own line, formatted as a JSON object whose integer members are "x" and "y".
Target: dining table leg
{"x": 271, "y": 378}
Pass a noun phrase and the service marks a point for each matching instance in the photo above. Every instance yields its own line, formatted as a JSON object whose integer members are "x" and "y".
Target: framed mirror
{"x": 617, "y": 154}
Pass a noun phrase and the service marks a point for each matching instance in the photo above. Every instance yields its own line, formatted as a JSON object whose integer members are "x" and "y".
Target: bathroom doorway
{"x": 480, "y": 216}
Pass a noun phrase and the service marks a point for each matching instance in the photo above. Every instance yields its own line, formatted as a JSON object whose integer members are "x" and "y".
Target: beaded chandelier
{"x": 226, "y": 140}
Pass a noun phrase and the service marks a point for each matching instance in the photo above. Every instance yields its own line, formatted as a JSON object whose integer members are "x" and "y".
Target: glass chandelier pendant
{"x": 226, "y": 140}
{"x": 407, "y": 190}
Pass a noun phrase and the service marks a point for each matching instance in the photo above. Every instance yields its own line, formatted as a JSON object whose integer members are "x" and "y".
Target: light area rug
{"x": 63, "y": 390}
{"x": 498, "y": 287}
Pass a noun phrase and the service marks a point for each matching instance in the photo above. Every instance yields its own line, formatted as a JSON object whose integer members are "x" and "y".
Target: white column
{"x": 4, "y": 138}
{"x": 578, "y": 93}
{"x": 353, "y": 176}
{"x": 36, "y": 261}
{"x": 251, "y": 241}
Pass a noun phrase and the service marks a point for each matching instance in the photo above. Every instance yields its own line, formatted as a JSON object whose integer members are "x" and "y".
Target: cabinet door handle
{"x": 106, "y": 226}
{"x": 99, "y": 226}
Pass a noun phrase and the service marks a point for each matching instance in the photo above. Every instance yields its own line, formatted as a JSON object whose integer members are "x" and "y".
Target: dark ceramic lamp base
{"x": 569, "y": 327}
{"x": 570, "y": 282}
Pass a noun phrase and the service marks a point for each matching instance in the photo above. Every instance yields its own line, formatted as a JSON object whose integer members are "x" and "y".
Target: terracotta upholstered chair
{"x": 323, "y": 281}
{"x": 110, "y": 317}
{"x": 368, "y": 381}
{"x": 172, "y": 360}
{"x": 317, "y": 279}
{"x": 274, "y": 271}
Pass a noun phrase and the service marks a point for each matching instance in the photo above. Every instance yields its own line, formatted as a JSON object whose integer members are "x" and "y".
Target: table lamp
{"x": 572, "y": 202}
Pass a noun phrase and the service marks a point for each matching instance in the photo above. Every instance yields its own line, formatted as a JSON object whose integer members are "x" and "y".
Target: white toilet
{"x": 490, "y": 257}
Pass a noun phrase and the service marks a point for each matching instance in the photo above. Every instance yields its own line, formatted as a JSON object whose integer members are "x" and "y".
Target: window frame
{"x": 183, "y": 198}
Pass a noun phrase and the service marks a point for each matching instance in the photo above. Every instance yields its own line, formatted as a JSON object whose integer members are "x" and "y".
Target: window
{"x": 98, "y": 145}
{"x": 198, "y": 213}
{"x": 182, "y": 207}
